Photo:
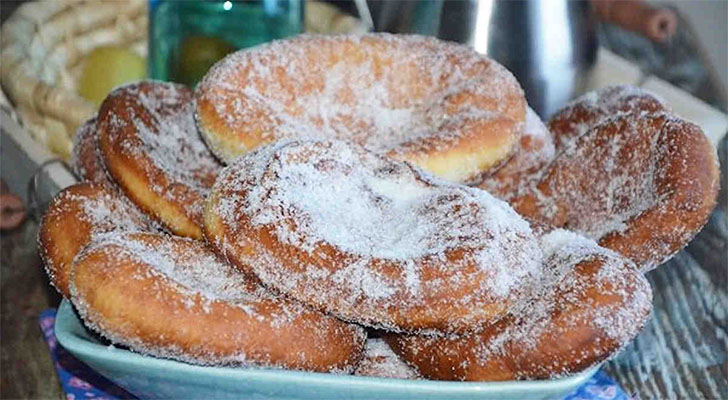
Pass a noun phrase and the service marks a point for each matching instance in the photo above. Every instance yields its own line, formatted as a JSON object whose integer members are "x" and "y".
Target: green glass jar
{"x": 187, "y": 37}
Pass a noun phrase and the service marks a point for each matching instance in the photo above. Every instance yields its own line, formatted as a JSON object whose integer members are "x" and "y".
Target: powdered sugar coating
{"x": 385, "y": 238}
{"x": 641, "y": 184}
{"x": 380, "y": 361}
{"x": 628, "y": 166}
{"x": 567, "y": 291}
{"x": 564, "y": 250}
{"x": 85, "y": 158}
{"x": 221, "y": 312}
{"x": 591, "y": 109}
{"x": 535, "y": 151}
{"x": 165, "y": 127}
{"x": 406, "y": 95}
{"x": 590, "y": 303}
{"x": 109, "y": 212}
{"x": 88, "y": 165}
{"x": 185, "y": 262}
{"x": 77, "y": 216}
{"x": 150, "y": 143}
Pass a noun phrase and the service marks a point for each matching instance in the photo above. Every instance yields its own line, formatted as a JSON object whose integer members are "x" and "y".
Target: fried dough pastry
{"x": 590, "y": 303}
{"x": 150, "y": 146}
{"x": 370, "y": 239}
{"x": 439, "y": 105}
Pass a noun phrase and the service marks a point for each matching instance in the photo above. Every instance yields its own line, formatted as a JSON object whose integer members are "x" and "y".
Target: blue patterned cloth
{"x": 78, "y": 380}
{"x": 598, "y": 387}
{"x": 81, "y": 382}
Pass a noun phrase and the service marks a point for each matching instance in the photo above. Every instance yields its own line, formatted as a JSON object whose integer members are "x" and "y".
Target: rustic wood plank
{"x": 26, "y": 369}
{"x": 683, "y": 350}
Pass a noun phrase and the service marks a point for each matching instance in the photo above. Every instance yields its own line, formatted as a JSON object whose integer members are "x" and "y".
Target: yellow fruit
{"x": 106, "y": 68}
{"x": 197, "y": 54}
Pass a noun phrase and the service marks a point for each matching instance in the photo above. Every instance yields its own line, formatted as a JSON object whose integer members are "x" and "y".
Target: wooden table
{"x": 26, "y": 368}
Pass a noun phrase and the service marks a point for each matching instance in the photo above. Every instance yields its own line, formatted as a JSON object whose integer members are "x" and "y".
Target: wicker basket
{"x": 44, "y": 43}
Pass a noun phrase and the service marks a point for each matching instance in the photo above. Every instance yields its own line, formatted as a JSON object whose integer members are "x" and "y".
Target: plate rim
{"x": 67, "y": 332}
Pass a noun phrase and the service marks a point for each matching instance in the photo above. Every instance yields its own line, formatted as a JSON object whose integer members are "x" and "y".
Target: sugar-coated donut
{"x": 173, "y": 297}
{"x": 370, "y": 239}
{"x": 151, "y": 148}
{"x": 381, "y": 362}
{"x": 75, "y": 217}
{"x": 534, "y": 152}
{"x": 640, "y": 184}
{"x": 437, "y": 104}
{"x": 85, "y": 159}
{"x": 590, "y": 304}
{"x": 591, "y": 109}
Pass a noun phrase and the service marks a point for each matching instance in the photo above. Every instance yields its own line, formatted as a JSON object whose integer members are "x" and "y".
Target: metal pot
{"x": 549, "y": 45}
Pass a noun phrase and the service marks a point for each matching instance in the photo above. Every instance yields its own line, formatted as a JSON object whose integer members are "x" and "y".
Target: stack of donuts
{"x": 380, "y": 205}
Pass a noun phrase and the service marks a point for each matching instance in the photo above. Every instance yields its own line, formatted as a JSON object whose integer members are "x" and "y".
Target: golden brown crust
{"x": 150, "y": 146}
{"x": 212, "y": 314}
{"x": 643, "y": 185}
{"x": 439, "y": 105}
{"x": 86, "y": 158}
{"x": 315, "y": 221}
{"x": 73, "y": 218}
{"x": 533, "y": 153}
{"x": 593, "y": 108}
{"x": 688, "y": 186}
{"x": 592, "y": 304}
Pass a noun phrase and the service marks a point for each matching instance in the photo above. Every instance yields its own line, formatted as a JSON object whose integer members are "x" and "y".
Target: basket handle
{"x": 36, "y": 207}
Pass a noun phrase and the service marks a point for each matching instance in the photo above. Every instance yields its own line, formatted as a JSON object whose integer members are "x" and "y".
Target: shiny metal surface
{"x": 549, "y": 45}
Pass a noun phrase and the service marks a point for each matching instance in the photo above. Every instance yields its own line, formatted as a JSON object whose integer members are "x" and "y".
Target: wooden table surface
{"x": 682, "y": 353}
{"x": 26, "y": 368}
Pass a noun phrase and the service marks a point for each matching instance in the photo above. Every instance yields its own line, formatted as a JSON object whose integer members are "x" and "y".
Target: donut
{"x": 380, "y": 361}
{"x": 439, "y": 105}
{"x": 150, "y": 146}
{"x": 76, "y": 216}
{"x": 590, "y": 303}
{"x": 172, "y": 297}
{"x": 370, "y": 239}
{"x": 535, "y": 151}
{"x": 86, "y": 160}
{"x": 640, "y": 184}
{"x": 590, "y": 109}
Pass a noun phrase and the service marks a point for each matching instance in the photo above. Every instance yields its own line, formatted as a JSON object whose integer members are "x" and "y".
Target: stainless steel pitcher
{"x": 549, "y": 45}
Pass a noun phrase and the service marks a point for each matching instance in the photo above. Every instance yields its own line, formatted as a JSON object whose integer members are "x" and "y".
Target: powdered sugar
{"x": 85, "y": 158}
{"x": 162, "y": 116}
{"x": 225, "y": 317}
{"x": 588, "y": 305}
{"x": 380, "y": 361}
{"x": 381, "y": 91}
{"x": 375, "y": 210}
{"x": 110, "y": 212}
{"x": 593, "y": 108}
{"x": 151, "y": 146}
{"x": 367, "y": 205}
{"x": 610, "y": 177}
{"x": 536, "y": 150}
{"x": 78, "y": 215}
{"x": 563, "y": 302}
{"x": 187, "y": 263}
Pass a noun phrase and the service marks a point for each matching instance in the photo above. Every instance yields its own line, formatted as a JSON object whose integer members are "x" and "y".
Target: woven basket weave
{"x": 44, "y": 43}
